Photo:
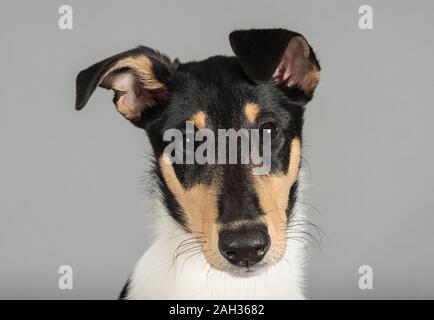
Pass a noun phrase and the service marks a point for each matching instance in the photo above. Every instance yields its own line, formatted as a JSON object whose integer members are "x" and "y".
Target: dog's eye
{"x": 268, "y": 128}
{"x": 189, "y": 139}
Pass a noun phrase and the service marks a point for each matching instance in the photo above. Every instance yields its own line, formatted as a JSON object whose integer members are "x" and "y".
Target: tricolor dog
{"x": 223, "y": 232}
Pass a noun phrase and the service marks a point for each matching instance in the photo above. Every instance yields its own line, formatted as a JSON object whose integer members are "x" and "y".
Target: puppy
{"x": 224, "y": 232}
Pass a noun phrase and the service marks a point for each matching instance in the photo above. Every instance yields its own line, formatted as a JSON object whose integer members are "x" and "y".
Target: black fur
{"x": 124, "y": 293}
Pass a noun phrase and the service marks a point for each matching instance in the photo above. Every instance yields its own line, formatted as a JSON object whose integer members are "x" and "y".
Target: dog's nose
{"x": 244, "y": 248}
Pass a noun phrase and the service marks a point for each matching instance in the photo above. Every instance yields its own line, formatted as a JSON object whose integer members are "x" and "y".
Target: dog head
{"x": 238, "y": 217}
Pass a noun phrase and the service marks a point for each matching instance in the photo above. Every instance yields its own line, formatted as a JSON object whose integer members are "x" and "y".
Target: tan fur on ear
{"x": 296, "y": 68}
{"x": 133, "y": 78}
{"x": 142, "y": 67}
{"x": 311, "y": 79}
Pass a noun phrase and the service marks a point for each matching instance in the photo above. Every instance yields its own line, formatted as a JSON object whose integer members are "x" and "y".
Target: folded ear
{"x": 280, "y": 55}
{"x": 138, "y": 77}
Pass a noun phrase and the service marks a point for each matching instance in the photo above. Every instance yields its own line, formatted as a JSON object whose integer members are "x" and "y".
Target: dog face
{"x": 239, "y": 218}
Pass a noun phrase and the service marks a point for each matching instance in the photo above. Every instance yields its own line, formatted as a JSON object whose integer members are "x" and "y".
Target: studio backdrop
{"x": 76, "y": 198}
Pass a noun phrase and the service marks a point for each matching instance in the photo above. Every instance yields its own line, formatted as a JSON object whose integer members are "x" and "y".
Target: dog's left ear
{"x": 280, "y": 55}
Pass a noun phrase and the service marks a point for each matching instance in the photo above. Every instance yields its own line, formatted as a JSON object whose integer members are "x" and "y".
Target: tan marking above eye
{"x": 200, "y": 206}
{"x": 252, "y": 110}
{"x": 273, "y": 194}
{"x": 199, "y": 120}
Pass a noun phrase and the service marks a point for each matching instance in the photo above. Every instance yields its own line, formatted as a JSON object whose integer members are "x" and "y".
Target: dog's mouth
{"x": 248, "y": 271}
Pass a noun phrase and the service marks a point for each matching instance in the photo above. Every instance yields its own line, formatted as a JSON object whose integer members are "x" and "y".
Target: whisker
{"x": 314, "y": 242}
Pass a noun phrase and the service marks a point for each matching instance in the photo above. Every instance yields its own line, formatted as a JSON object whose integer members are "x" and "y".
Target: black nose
{"x": 244, "y": 247}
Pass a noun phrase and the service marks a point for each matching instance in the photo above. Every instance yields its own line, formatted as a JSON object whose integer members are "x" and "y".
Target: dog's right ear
{"x": 138, "y": 77}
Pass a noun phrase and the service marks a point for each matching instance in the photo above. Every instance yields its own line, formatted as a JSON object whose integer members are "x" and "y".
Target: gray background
{"x": 71, "y": 187}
